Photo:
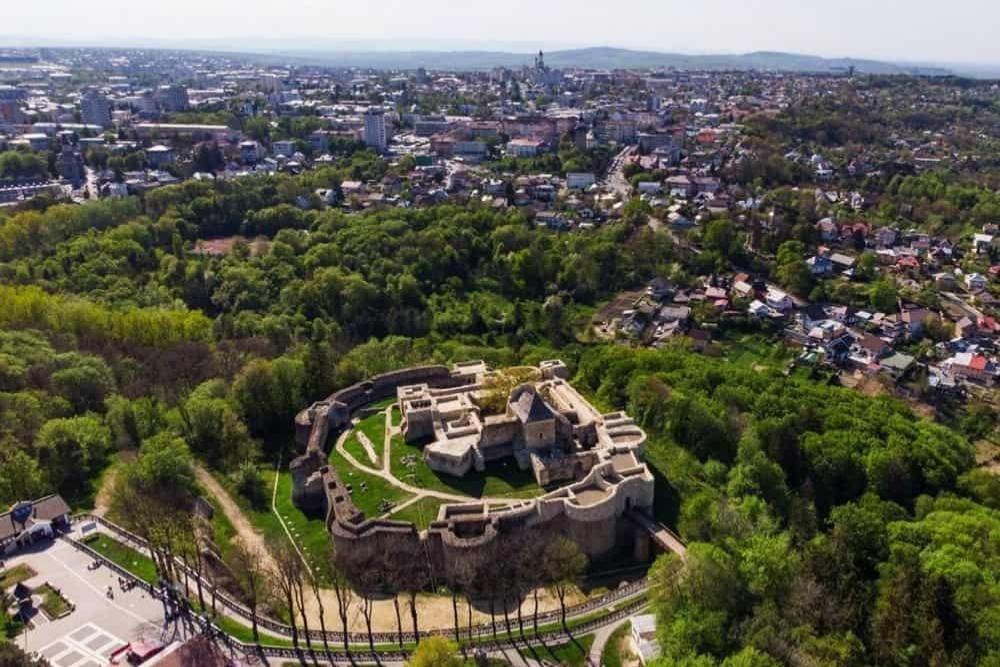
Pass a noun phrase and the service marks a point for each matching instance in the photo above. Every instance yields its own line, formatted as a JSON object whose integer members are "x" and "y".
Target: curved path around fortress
{"x": 385, "y": 472}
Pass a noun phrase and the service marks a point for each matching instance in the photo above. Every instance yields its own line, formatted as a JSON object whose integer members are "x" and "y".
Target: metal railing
{"x": 636, "y": 589}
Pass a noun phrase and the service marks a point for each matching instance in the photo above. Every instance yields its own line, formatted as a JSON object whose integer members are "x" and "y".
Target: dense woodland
{"x": 826, "y": 527}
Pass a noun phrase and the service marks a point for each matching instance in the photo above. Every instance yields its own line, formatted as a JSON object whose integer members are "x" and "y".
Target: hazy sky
{"x": 926, "y": 30}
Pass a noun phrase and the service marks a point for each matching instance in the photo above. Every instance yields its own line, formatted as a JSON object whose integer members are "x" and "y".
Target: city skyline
{"x": 851, "y": 29}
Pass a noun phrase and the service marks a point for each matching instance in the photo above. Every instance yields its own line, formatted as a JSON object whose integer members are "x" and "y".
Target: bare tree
{"x": 416, "y": 580}
{"x": 459, "y": 583}
{"x": 246, "y": 566}
{"x": 300, "y": 603}
{"x": 345, "y": 600}
{"x": 316, "y": 578}
{"x": 366, "y": 582}
{"x": 533, "y": 571}
{"x": 564, "y": 564}
{"x": 286, "y": 581}
{"x": 394, "y": 571}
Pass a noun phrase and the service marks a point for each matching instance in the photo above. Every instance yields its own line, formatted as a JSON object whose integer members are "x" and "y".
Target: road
{"x": 615, "y": 179}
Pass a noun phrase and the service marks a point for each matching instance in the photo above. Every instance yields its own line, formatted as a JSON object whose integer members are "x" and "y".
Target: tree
{"x": 436, "y": 652}
{"x": 721, "y": 237}
{"x": 20, "y": 475}
{"x": 564, "y": 564}
{"x": 246, "y": 563}
{"x": 792, "y": 270}
{"x": 11, "y": 655}
{"x": 208, "y": 158}
{"x": 286, "y": 582}
{"x": 269, "y": 393}
{"x": 750, "y": 657}
{"x": 84, "y": 381}
{"x": 883, "y": 295}
{"x": 344, "y": 594}
{"x": 70, "y": 451}
{"x": 258, "y": 129}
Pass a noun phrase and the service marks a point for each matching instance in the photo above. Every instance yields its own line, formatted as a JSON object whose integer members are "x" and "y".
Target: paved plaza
{"x": 98, "y": 625}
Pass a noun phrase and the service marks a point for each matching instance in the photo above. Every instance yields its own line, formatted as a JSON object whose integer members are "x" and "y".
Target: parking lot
{"x": 98, "y": 624}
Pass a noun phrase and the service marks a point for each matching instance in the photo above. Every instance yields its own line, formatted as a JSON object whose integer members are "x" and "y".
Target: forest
{"x": 825, "y": 527}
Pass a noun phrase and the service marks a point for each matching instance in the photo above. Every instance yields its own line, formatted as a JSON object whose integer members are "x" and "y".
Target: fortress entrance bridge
{"x": 663, "y": 537}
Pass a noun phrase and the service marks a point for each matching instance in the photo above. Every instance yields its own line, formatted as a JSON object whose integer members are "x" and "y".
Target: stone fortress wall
{"x": 607, "y": 478}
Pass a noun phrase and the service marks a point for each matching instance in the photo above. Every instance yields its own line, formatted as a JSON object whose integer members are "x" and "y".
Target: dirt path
{"x": 434, "y": 612}
{"x": 385, "y": 473}
{"x": 102, "y": 500}
{"x": 243, "y": 527}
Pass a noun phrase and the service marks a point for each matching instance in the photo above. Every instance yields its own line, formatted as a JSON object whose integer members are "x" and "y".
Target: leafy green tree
{"x": 20, "y": 475}
{"x": 269, "y": 393}
{"x": 165, "y": 462}
{"x": 883, "y": 295}
{"x": 213, "y": 427}
{"x": 11, "y": 655}
{"x": 792, "y": 270}
{"x": 436, "y": 651}
{"x": 133, "y": 420}
{"x": 71, "y": 451}
{"x": 750, "y": 657}
{"x": 84, "y": 380}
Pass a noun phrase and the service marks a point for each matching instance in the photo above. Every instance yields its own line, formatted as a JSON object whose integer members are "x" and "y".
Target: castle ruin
{"x": 592, "y": 463}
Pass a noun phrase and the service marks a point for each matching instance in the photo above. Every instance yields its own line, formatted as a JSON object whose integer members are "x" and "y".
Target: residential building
{"x": 32, "y": 520}
{"x": 284, "y": 148}
{"x": 160, "y": 156}
{"x": 576, "y": 180}
{"x": 975, "y": 282}
{"x": 375, "y": 132}
{"x": 70, "y": 165}
{"x": 173, "y": 98}
{"x": 250, "y": 152}
{"x": 524, "y": 147}
{"x": 12, "y": 100}
{"x": 644, "y": 638}
{"x": 95, "y": 109}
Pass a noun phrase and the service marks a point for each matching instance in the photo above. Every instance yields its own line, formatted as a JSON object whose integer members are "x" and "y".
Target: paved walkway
{"x": 385, "y": 472}
{"x": 601, "y": 637}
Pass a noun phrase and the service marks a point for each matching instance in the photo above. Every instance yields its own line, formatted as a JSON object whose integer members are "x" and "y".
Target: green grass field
{"x": 354, "y": 447}
{"x": 570, "y": 653}
{"x": 502, "y": 479}
{"x": 260, "y": 516}
{"x": 367, "y": 491}
{"x": 309, "y": 532}
{"x": 420, "y": 513}
{"x": 9, "y": 627}
{"x": 374, "y": 427}
{"x": 614, "y": 654}
{"x": 53, "y": 603}
{"x": 124, "y": 556}
{"x": 244, "y": 633}
{"x": 12, "y": 576}
{"x": 384, "y": 403}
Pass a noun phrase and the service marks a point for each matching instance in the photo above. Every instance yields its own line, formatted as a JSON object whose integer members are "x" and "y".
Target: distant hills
{"x": 457, "y": 55}
{"x": 598, "y": 58}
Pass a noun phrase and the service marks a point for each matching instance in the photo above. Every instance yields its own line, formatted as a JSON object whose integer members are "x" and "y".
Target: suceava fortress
{"x": 595, "y": 485}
